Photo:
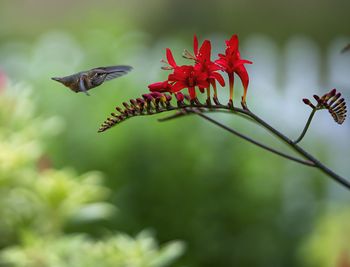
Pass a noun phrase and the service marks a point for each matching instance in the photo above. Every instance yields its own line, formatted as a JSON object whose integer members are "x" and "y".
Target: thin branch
{"x": 272, "y": 150}
{"x": 343, "y": 181}
{"x": 178, "y": 114}
{"x": 306, "y": 127}
{"x": 185, "y": 112}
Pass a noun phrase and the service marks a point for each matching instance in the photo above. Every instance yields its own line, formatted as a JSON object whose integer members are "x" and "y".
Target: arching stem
{"x": 306, "y": 127}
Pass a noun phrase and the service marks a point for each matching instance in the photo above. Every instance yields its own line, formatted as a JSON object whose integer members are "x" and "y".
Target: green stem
{"x": 187, "y": 111}
{"x": 306, "y": 127}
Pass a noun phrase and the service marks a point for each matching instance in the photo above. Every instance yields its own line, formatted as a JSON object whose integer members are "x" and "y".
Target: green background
{"x": 230, "y": 202}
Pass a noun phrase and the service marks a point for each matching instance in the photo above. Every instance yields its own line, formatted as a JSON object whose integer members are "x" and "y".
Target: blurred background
{"x": 177, "y": 193}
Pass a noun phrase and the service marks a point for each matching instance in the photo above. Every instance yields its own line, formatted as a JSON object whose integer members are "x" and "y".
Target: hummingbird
{"x": 86, "y": 80}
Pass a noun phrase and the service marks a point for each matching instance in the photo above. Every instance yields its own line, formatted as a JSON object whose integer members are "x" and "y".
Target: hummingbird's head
{"x": 62, "y": 80}
{"x": 68, "y": 81}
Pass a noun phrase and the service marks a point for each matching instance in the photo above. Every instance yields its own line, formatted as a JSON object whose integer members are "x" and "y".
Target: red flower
{"x": 204, "y": 63}
{"x": 182, "y": 77}
{"x": 232, "y": 63}
{"x": 188, "y": 77}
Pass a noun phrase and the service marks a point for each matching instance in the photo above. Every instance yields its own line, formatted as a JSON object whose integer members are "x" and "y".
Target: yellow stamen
{"x": 244, "y": 95}
{"x": 208, "y": 92}
{"x": 215, "y": 92}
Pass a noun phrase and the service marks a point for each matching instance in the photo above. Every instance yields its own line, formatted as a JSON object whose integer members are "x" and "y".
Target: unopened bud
{"x": 308, "y": 102}
{"x": 179, "y": 97}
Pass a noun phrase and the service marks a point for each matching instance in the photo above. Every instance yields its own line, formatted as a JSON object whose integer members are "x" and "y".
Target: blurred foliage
{"x": 37, "y": 201}
{"x": 35, "y": 197}
{"x": 329, "y": 243}
{"x": 118, "y": 250}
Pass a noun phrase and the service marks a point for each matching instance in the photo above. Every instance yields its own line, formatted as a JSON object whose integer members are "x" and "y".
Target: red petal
{"x": 213, "y": 67}
{"x": 221, "y": 61}
{"x": 177, "y": 87}
{"x": 156, "y": 86}
{"x": 233, "y": 42}
{"x": 205, "y": 51}
{"x": 195, "y": 45}
{"x": 218, "y": 77}
{"x": 180, "y": 73}
{"x": 176, "y": 76}
{"x": 202, "y": 76}
{"x": 192, "y": 92}
{"x": 172, "y": 77}
{"x": 170, "y": 58}
{"x": 243, "y": 75}
{"x": 160, "y": 87}
{"x": 203, "y": 84}
{"x": 244, "y": 61}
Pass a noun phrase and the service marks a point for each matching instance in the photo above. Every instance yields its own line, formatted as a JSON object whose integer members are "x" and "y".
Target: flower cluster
{"x": 204, "y": 73}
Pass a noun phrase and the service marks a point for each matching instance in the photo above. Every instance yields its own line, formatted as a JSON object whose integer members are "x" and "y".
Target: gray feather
{"x": 114, "y": 71}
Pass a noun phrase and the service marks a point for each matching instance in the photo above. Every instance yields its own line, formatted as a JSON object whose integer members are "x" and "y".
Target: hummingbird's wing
{"x": 113, "y": 72}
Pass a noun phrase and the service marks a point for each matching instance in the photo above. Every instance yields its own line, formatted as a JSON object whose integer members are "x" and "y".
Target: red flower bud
{"x": 179, "y": 97}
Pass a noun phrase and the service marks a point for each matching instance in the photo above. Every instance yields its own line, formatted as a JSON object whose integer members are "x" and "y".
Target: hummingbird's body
{"x": 86, "y": 80}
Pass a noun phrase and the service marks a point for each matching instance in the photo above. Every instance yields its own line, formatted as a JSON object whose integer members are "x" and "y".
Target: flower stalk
{"x": 306, "y": 127}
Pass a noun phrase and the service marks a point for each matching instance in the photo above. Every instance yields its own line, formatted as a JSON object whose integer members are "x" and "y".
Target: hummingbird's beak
{"x": 56, "y": 79}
